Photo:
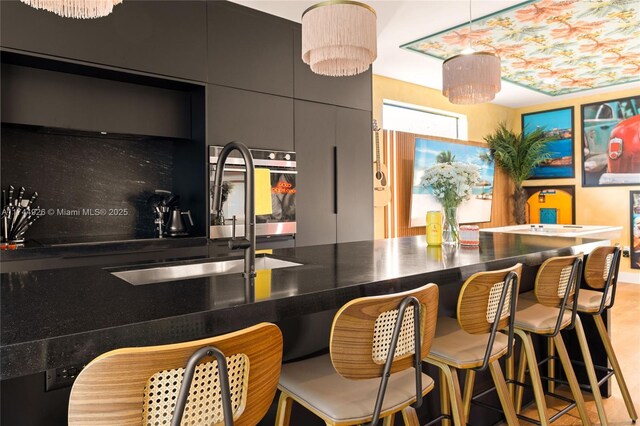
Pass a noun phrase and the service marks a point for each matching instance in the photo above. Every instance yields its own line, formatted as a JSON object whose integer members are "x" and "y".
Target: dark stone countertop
{"x": 59, "y": 317}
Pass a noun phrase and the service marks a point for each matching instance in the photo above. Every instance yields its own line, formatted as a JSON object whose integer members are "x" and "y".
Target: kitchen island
{"x": 65, "y": 317}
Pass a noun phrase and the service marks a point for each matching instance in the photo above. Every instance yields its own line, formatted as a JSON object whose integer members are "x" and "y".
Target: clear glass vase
{"x": 450, "y": 226}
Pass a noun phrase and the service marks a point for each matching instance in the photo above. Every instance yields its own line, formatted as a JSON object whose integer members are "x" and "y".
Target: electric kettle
{"x": 176, "y": 226}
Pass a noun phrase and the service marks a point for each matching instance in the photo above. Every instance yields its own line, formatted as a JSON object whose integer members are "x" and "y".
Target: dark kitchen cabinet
{"x": 315, "y": 184}
{"x": 335, "y": 187}
{"x": 256, "y": 119}
{"x": 353, "y": 92}
{"x": 47, "y": 98}
{"x": 160, "y": 37}
{"x": 249, "y": 50}
{"x": 355, "y": 175}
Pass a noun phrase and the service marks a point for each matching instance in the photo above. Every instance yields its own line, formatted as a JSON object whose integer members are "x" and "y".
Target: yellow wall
{"x": 594, "y": 206}
{"x": 482, "y": 119}
{"x": 561, "y": 201}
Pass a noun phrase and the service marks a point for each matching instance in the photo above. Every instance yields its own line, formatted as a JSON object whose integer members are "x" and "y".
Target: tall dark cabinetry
{"x": 334, "y": 183}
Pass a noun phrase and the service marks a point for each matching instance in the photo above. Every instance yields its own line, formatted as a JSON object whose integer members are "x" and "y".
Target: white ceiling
{"x": 401, "y": 21}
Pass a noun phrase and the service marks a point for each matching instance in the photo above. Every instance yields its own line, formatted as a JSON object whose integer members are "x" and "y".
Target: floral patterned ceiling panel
{"x": 552, "y": 46}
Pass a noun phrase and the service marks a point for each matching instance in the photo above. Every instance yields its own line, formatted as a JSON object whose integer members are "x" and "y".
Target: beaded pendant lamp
{"x": 339, "y": 38}
{"x": 79, "y": 9}
{"x": 471, "y": 77}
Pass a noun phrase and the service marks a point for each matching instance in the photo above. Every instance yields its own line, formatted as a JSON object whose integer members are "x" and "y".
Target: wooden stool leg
{"x": 591, "y": 373}
{"x": 468, "y": 393}
{"x": 283, "y": 415}
{"x": 551, "y": 367}
{"x": 522, "y": 367}
{"x": 510, "y": 367}
{"x": 453, "y": 385}
{"x": 410, "y": 417}
{"x": 608, "y": 347}
{"x": 571, "y": 377}
{"x": 388, "y": 421}
{"x": 536, "y": 382}
{"x": 503, "y": 393}
{"x": 445, "y": 404}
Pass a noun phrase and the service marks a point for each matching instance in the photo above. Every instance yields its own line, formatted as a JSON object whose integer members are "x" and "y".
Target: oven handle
{"x": 274, "y": 171}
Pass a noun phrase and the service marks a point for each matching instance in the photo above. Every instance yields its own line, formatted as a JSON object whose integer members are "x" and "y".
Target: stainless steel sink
{"x": 196, "y": 270}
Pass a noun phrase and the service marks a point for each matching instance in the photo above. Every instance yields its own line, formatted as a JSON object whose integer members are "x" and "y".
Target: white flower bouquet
{"x": 451, "y": 183}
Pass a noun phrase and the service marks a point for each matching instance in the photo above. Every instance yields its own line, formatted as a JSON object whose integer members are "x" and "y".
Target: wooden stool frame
{"x": 424, "y": 301}
{"x": 528, "y": 357}
{"x": 454, "y": 406}
{"x": 112, "y": 388}
{"x": 593, "y": 279}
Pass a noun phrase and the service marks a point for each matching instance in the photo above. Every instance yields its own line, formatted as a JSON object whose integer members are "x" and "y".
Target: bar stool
{"x": 601, "y": 273}
{"x": 357, "y": 381}
{"x": 473, "y": 342}
{"x": 545, "y": 312}
{"x": 134, "y": 386}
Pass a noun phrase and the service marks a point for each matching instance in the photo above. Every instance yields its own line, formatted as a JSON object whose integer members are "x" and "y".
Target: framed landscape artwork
{"x": 610, "y": 137}
{"x": 429, "y": 151}
{"x": 635, "y": 229}
{"x": 551, "y": 204}
{"x": 558, "y": 124}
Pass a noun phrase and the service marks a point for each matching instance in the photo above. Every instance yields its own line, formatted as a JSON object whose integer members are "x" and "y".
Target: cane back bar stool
{"x": 473, "y": 342}
{"x": 142, "y": 386}
{"x": 358, "y": 382}
{"x": 601, "y": 275}
{"x": 545, "y": 312}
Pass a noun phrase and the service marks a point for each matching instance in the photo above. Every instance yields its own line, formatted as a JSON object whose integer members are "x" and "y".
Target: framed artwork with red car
{"x": 611, "y": 142}
{"x": 634, "y": 250}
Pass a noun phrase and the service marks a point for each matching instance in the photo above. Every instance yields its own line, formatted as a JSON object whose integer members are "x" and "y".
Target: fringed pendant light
{"x": 471, "y": 77}
{"x": 339, "y": 38}
{"x": 79, "y": 9}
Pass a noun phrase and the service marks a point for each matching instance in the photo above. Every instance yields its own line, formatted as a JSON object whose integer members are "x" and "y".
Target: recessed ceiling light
{"x": 103, "y": 133}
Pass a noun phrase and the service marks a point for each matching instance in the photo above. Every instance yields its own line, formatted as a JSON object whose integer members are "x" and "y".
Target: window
{"x": 423, "y": 121}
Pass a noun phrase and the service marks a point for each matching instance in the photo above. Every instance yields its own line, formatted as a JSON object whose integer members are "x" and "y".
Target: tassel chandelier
{"x": 339, "y": 38}
{"x": 78, "y": 9}
{"x": 471, "y": 77}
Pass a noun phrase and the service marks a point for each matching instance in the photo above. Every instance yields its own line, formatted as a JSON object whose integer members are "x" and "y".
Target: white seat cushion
{"x": 317, "y": 385}
{"x": 589, "y": 300}
{"x": 454, "y": 346}
{"x": 537, "y": 318}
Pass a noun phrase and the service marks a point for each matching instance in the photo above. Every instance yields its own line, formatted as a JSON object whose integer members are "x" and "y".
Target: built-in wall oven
{"x": 282, "y": 173}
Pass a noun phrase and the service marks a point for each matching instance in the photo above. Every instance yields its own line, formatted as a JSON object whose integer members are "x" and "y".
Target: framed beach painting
{"x": 557, "y": 124}
{"x": 431, "y": 150}
{"x": 610, "y": 140}
{"x": 635, "y": 229}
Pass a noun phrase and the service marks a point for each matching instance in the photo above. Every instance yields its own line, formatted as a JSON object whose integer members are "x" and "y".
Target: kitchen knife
{"x": 11, "y": 189}
{"x": 32, "y": 199}
{"x": 24, "y": 228}
{"x": 20, "y": 195}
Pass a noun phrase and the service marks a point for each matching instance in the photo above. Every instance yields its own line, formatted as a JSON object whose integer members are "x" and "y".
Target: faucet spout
{"x": 249, "y": 242}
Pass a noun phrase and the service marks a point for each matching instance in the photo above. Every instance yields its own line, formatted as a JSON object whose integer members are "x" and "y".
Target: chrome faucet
{"x": 248, "y": 243}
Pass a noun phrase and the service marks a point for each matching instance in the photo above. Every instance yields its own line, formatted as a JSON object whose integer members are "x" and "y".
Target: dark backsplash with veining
{"x": 74, "y": 170}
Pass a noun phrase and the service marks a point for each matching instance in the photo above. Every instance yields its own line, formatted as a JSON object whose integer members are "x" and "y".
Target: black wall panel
{"x": 73, "y": 171}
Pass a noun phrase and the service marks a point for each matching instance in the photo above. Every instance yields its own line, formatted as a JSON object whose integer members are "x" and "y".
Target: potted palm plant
{"x": 518, "y": 154}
